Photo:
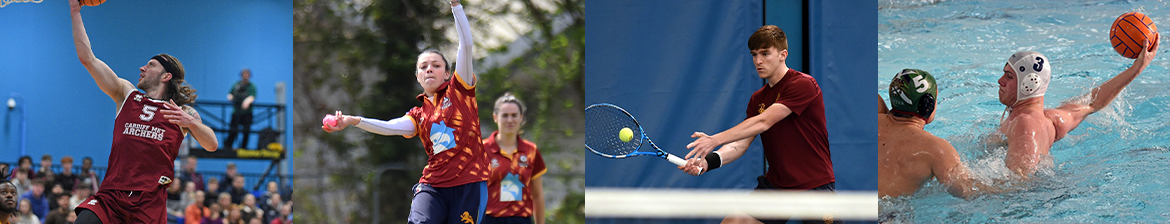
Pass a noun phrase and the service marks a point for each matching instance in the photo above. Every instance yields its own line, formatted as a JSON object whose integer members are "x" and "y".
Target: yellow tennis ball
{"x": 626, "y": 134}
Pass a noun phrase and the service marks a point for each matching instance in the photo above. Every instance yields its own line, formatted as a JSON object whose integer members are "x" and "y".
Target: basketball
{"x": 1129, "y": 31}
{"x": 91, "y": 2}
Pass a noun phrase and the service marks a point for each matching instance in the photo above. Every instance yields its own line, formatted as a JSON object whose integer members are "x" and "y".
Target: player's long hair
{"x": 177, "y": 88}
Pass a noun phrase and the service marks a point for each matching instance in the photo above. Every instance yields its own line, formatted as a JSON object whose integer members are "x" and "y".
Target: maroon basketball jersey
{"x": 145, "y": 146}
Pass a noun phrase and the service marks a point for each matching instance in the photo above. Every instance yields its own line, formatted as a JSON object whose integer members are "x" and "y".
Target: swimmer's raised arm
{"x": 1066, "y": 117}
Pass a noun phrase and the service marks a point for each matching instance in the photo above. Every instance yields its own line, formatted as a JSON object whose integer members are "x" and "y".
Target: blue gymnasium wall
{"x": 67, "y": 114}
{"x": 681, "y": 67}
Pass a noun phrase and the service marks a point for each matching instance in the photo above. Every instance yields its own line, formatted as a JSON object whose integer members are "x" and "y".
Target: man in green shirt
{"x": 242, "y": 94}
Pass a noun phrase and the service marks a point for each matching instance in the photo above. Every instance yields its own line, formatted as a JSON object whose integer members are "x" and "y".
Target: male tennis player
{"x": 1030, "y": 129}
{"x": 453, "y": 187}
{"x": 148, "y": 128}
{"x": 789, "y": 115}
{"x": 908, "y": 156}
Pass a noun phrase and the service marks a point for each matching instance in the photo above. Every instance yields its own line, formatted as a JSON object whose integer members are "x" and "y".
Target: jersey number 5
{"x": 147, "y": 112}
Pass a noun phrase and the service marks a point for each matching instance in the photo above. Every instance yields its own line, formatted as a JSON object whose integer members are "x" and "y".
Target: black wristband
{"x": 713, "y": 161}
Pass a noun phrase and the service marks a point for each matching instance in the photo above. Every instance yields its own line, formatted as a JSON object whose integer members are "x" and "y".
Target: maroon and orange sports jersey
{"x": 512, "y": 174}
{"x": 448, "y": 126}
{"x": 145, "y": 146}
{"x": 797, "y": 147}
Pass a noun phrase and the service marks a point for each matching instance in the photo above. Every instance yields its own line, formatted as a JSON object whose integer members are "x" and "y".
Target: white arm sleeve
{"x": 463, "y": 65}
{"x": 398, "y": 126}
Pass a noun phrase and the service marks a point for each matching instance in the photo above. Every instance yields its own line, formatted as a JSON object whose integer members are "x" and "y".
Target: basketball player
{"x": 147, "y": 131}
{"x": 787, "y": 113}
{"x": 1030, "y": 129}
{"x": 453, "y": 185}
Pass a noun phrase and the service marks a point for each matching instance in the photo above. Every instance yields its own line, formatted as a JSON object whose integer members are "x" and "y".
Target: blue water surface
{"x": 1113, "y": 168}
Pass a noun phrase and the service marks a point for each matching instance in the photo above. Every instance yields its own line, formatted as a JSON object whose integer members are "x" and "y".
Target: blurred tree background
{"x": 358, "y": 56}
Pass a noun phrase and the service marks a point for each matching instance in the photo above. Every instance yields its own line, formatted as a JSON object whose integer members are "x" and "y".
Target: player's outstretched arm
{"x": 187, "y": 118}
{"x": 463, "y": 59}
{"x": 403, "y": 126}
{"x": 949, "y": 169}
{"x": 751, "y": 127}
{"x": 728, "y": 153}
{"x": 107, "y": 81}
{"x": 1072, "y": 114}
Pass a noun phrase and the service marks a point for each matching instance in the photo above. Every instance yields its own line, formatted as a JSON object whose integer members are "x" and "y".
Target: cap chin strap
{"x": 1006, "y": 109}
{"x": 908, "y": 113}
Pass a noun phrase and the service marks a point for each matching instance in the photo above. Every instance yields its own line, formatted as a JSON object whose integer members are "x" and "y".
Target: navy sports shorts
{"x": 463, "y": 204}
{"x": 506, "y": 220}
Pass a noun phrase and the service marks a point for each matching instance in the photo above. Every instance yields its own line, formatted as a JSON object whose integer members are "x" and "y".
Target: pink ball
{"x": 329, "y": 120}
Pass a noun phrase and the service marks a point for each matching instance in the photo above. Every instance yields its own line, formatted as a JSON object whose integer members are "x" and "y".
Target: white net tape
{"x": 706, "y": 203}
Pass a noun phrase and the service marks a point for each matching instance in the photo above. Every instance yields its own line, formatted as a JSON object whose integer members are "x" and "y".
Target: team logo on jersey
{"x": 511, "y": 189}
{"x": 138, "y": 97}
{"x": 466, "y": 217}
{"x": 442, "y": 137}
{"x": 524, "y": 161}
{"x": 92, "y": 202}
{"x": 446, "y": 103}
{"x": 495, "y": 163}
{"x": 145, "y": 131}
{"x": 762, "y": 107}
{"x": 163, "y": 180}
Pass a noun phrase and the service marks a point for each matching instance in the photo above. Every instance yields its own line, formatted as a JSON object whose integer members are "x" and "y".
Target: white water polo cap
{"x": 1032, "y": 74}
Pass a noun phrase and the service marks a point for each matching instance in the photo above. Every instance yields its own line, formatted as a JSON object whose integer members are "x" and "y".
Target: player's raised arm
{"x": 107, "y": 81}
{"x": 1072, "y": 114}
{"x": 463, "y": 58}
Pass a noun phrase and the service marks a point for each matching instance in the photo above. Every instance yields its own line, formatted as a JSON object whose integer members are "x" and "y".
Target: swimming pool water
{"x": 1113, "y": 168}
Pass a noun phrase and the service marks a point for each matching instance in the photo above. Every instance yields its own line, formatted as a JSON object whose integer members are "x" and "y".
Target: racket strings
{"x": 602, "y": 125}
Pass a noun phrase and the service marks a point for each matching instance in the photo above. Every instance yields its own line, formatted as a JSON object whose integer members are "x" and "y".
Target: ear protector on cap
{"x": 1032, "y": 74}
{"x": 926, "y": 105}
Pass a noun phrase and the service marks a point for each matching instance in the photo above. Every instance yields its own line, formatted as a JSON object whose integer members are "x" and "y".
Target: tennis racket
{"x": 604, "y": 121}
